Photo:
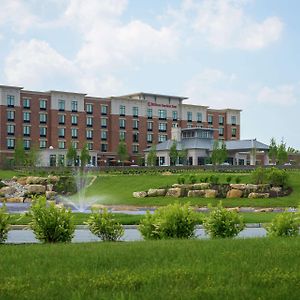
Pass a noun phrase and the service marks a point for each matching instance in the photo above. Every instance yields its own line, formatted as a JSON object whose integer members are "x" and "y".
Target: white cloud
{"x": 284, "y": 95}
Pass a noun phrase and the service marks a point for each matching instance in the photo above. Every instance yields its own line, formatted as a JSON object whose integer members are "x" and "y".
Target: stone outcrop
{"x": 141, "y": 194}
{"x": 174, "y": 192}
{"x": 196, "y": 193}
{"x": 50, "y": 195}
{"x": 234, "y": 193}
{"x": 8, "y": 190}
{"x": 156, "y": 192}
{"x": 36, "y": 180}
{"x": 211, "y": 193}
{"x": 238, "y": 186}
{"x": 258, "y": 195}
{"x": 15, "y": 200}
{"x": 201, "y": 186}
{"x": 35, "y": 189}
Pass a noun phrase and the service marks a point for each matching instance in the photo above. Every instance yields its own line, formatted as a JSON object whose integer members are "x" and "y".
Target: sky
{"x": 242, "y": 54}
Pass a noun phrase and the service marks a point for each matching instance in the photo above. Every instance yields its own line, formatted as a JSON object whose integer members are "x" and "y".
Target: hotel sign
{"x": 162, "y": 105}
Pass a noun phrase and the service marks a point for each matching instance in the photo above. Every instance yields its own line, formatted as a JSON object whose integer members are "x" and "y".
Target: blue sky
{"x": 222, "y": 53}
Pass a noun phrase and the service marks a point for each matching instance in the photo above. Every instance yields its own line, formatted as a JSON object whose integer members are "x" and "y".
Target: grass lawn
{"x": 180, "y": 269}
{"x": 118, "y": 189}
{"x": 126, "y": 219}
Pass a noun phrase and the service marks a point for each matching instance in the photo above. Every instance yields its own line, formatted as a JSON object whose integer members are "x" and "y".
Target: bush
{"x": 259, "y": 176}
{"x": 4, "y": 224}
{"x": 214, "y": 179}
{"x": 238, "y": 180}
{"x": 66, "y": 184}
{"x": 278, "y": 177}
{"x": 103, "y": 225}
{"x": 50, "y": 223}
{"x": 285, "y": 225}
{"x": 222, "y": 223}
{"x": 180, "y": 180}
{"x": 171, "y": 221}
{"x": 192, "y": 179}
{"x": 228, "y": 179}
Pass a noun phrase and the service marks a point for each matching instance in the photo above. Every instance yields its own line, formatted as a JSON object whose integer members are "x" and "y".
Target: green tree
{"x": 219, "y": 153}
{"x": 173, "y": 154}
{"x": 273, "y": 150}
{"x": 122, "y": 151}
{"x": 84, "y": 156}
{"x": 182, "y": 154}
{"x": 282, "y": 155}
{"x": 19, "y": 154}
{"x": 71, "y": 156}
{"x": 152, "y": 157}
{"x": 33, "y": 155}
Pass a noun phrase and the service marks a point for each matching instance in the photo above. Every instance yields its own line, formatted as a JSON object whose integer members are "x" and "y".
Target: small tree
{"x": 173, "y": 154}
{"x": 84, "y": 156}
{"x": 71, "y": 156}
{"x": 282, "y": 155}
{"x": 122, "y": 151}
{"x": 152, "y": 157}
{"x": 273, "y": 150}
{"x": 33, "y": 155}
{"x": 219, "y": 154}
{"x": 182, "y": 154}
{"x": 19, "y": 154}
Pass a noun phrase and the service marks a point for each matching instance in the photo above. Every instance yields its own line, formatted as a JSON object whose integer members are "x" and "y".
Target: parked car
{"x": 225, "y": 164}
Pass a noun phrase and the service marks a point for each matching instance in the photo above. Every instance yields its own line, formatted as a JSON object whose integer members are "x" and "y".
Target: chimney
{"x": 176, "y": 134}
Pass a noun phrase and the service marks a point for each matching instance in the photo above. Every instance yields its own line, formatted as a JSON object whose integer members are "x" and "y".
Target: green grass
{"x": 118, "y": 189}
{"x": 126, "y": 219}
{"x": 180, "y": 269}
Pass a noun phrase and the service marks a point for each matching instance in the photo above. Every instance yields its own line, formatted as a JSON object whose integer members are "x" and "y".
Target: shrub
{"x": 180, "y": 180}
{"x": 103, "y": 225}
{"x": 171, "y": 221}
{"x": 50, "y": 223}
{"x": 285, "y": 225}
{"x": 214, "y": 179}
{"x": 228, "y": 179}
{"x": 277, "y": 177}
{"x": 192, "y": 179}
{"x": 238, "y": 180}
{"x": 222, "y": 223}
{"x": 4, "y": 224}
{"x": 259, "y": 176}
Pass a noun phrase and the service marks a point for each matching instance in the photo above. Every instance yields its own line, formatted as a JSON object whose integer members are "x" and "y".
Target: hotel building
{"x": 54, "y": 119}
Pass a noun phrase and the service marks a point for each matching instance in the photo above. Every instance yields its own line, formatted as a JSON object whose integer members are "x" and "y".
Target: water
{"x": 131, "y": 234}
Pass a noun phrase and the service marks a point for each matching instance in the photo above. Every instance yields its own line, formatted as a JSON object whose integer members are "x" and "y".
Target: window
{"x": 74, "y": 145}
{"x": 135, "y": 137}
{"x": 190, "y": 126}
{"x": 10, "y": 101}
{"x": 162, "y": 127}
{"x": 174, "y": 115}
{"x": 89, "y": 108}
{"x": 10, "y": 143}
{"x": 135, "y": 148}
{"x": 149, "y": 126}
{"x": 189, "y": 116}
{"x": 26, "y": 103}
{"x": 26, "y": 130}
{"x": 10, "y": 115}
{"x": 221, "y": 120}
{"x": 103, "y": 110}
{"x": 61, "y": 119}
{"x": 43, "y": 131}
{"x": 149, "y": 113}
{"x": 10, "y": 129}
{"x": 26, "y": 117}
{"x": 74, "y": 119}
{"x": 61, "y": 144}
{"x": 43, "y": 144}
{"x": 221, "y": 131}
{"x": 103, "y": 123}
{"x": 122, "y": 135}
{"x": 162, "y": 114}
{"x": 233, "y": 132}
{"x": 103, "y": 147}
{"x": 89, "y": 121}
{"x": 210, "y": 119}
{"x": 135, "y": 111}
{"x": 61, "y": 105}
{"x": 61, "y": 160}
{"x": 122, "y": 110}
{"x": 74, "y": 106}
{"x": 122, "y": 123}
{"x": 162, "y": 138}
{"x": 89, "y": 134}
{"x": 233, "y": 120}
{"x": 26, "y": 144}
{"x": 74, "y": 133}
{"x": 199, "y": 117}
{"x": 135, "y": 124}
{"x": 61, "y": 132}
{"x": 43, "y": 118}
{"x": 103, "y": 135}
{"x": 90, "y": 146}
{"x": 43, "y": 104}
{"x": 149, "y": 138}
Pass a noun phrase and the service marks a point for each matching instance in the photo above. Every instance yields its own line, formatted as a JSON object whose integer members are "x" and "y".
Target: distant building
{"x": 198, "y": 142}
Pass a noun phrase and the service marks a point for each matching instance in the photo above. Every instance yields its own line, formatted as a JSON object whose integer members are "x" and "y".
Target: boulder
{"x": 50, "y": 195}
{"x": 49, "y": 187}
{"x": 276, "y": 189}
{"x": 36, "y": 180}
{"x": 238, "y": 186}
{"x": 196, "y": 193}
{"x": 168, "y": 173}
{"x": 263, "y": 188}
{"x": 15, "y": 200}
{"x": 174, "y": 192}
{"x": 8, "y": 190}
{"x": 252, "y": 187}
{"x": 53, "y": 179}
{"x": 15, "y": 178}
{"x": 141, "y": 194}
{"x": 234, "y": 193}
{"x": 176, "y": 185}
{"x": 258, "y": 195}
{"x": 210, "y": 193}
{"x": 35, "y": 189}
{"x": 201, "y": 186}
{"x": 22, "y": 180}
{"x": 235, "y": 209}
{"x": 156, "y": 192}
{"x": 267, "y": 209}
{"x": 27, "y": 200}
